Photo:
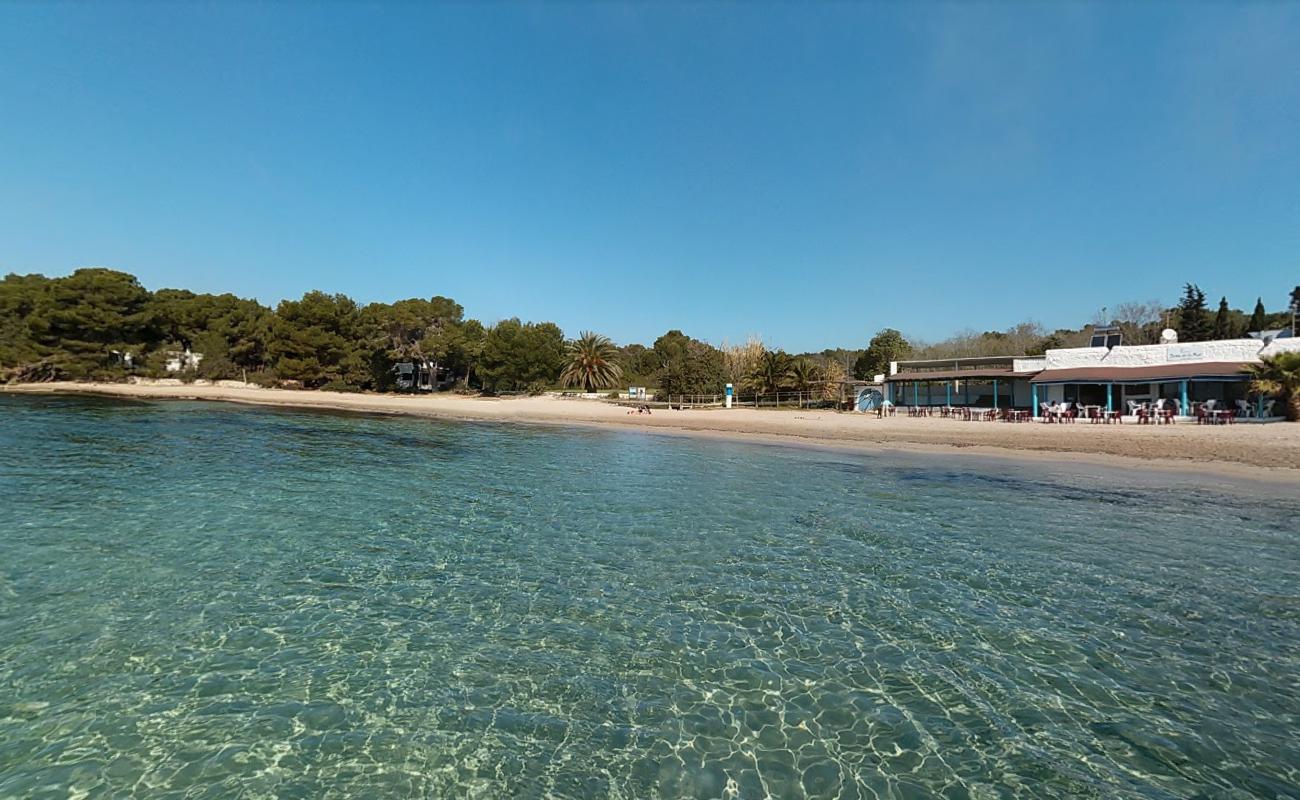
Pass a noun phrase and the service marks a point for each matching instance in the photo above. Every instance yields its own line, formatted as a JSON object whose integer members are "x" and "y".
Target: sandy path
{"x": 1238, "y": 450}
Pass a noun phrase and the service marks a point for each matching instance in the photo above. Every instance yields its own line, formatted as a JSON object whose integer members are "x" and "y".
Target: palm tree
{"x": 1279, "y": 375}
{"x": 804, "y": 372}
{"x": 591, "y": 363}
{"x": 771, "y": 372}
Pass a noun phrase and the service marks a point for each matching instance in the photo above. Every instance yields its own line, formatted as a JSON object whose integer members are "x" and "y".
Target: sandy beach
{"x": 1260, "y": 451}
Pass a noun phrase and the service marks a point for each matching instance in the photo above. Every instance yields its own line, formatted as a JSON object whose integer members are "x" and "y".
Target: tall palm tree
{"x": 771, "y": 372}
{"x": 1279, "y": 375}
{"x": 591, "y": 363}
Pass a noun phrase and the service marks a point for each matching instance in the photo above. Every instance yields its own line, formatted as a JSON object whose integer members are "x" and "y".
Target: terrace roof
{"x": 958, "y": 375}
{"x": 961, "y": 363}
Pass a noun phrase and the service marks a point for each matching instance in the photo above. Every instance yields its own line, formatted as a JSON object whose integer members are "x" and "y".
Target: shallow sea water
{"x": 207, "y": 601}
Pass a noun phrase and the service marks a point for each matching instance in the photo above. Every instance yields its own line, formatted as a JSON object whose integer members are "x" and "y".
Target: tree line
{"x": 101, "y": 324}
{"x": 82, "y": 326}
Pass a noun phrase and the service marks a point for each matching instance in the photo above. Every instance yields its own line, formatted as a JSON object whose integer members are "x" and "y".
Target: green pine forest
{"x": 79, "y": 327}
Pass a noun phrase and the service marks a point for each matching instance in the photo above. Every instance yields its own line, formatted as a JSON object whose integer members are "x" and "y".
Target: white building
{"x": 1103, "y": 376}
{"x": 178, "y": 361}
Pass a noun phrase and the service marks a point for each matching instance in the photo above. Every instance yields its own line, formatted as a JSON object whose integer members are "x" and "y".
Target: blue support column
{"x": 995, "y": 394}
{"x": 948, "y": 386}
{"x": 1033, "y": 398}
{"x": 965, "y": 392}
{"x": 1182, "y": 389}
{"x": 916, "y": 396}
{"x": 1259, "y": 406}
{"x": 1110, "y": 397}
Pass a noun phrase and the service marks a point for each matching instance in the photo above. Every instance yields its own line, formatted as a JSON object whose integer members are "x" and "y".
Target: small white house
{"x": 179, "y": 361}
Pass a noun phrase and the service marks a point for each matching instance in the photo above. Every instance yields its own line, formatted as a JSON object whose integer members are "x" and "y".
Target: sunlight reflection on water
{"x": 202, "y": 600}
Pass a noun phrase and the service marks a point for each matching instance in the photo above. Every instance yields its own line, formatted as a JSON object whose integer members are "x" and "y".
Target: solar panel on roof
{"x": 1106, "y": 337}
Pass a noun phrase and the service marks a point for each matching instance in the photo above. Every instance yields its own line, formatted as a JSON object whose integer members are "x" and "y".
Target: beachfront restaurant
{"x": 1118, "y": 378}
{"x": 998, "y": 382}
{"x": 1183, "y": 375}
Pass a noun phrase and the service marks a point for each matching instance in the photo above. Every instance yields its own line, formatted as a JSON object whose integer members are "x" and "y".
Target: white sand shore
{"x": 1260, "y": 451}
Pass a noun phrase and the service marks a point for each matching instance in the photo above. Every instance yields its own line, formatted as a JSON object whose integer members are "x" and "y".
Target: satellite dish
{"x": 1168, "y": 336}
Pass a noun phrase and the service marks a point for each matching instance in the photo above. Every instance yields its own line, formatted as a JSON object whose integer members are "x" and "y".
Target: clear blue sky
{"x": 807, "y": 172}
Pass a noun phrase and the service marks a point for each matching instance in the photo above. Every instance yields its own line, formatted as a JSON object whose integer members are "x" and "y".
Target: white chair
{"x": 1268, "y": 408}
{"x": 1209, "y": 404}
{"x": 1132, "y": 408}
{"x": 1244, "y": 408}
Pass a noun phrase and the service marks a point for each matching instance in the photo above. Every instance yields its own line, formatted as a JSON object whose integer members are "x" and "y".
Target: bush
{"x": 538, "y": 387}
{"x": 340, "y": 386}
{"x": 264, "y": 379}
{"x": 217, "y": 368}
{"x": 107, "y": 375}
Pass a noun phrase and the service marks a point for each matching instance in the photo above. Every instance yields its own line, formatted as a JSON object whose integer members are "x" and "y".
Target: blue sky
{"x": 810, "y": 173}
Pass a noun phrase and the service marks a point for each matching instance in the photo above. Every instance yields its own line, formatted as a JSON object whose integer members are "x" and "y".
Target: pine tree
{"x": 1194, "y": 323}
{"x": 1223, "y": 321}
{"x": 1257, "y": 318}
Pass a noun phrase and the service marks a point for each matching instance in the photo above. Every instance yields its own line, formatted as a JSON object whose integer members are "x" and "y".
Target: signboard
{"x": 1186, "y": 352}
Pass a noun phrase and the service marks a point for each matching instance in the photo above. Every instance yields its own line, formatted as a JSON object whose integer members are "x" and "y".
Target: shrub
{"x": 340, "y": 386}
{"x": 217, "y": 368}
{"x": 264, "y": 379}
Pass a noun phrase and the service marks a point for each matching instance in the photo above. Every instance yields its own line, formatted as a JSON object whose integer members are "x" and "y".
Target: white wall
{"x": 1150, "y": 355}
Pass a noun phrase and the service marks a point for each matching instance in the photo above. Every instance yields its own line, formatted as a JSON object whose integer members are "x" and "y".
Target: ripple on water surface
{"x": 206, "y": 601}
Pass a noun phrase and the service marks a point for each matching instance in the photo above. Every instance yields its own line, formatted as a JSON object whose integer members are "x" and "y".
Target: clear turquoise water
{"x": 208, "y": 601}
